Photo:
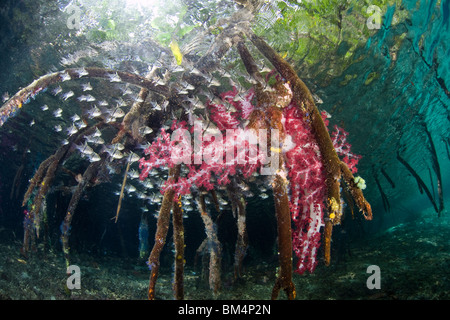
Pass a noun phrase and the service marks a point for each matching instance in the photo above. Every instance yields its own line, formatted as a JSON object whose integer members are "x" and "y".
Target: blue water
{"x": 408, "y": 94}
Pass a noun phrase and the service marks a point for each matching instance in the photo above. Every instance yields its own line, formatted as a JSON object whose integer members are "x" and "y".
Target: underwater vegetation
{"x": 200, "y": 135}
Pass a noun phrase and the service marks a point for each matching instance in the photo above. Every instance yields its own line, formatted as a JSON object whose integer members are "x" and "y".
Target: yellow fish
{"x": 273, "y": 149}
{"x": 176, "y": 51}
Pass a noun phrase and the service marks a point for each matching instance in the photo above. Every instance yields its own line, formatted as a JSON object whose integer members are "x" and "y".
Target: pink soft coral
{"x": 307, "y": 183}
{"x": 226, "y": 151}
{"x": 307, "y": 188}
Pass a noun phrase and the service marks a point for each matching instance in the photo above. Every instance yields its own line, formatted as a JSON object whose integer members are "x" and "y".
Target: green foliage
{"x": 117, "y": 20}
{"x": 170, "y": 24}
{"x": 317, "y": 36}
{"x": 112, "y": 21}
{"x": 321, "y": 35}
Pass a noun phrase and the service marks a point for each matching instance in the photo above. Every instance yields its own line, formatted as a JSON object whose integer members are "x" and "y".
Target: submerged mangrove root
{"x": 135, "y": 118}
{"x": 42, "y": 180}
{"x": 384, "y": 198}
{"x": 20, "y": 98}
{"x": 88, "y": 175}
{"x": 200, "y": 252}
{"x": 239, "y": 211}
{"x": 162, "y": 227}
{"x": 14, "y": 193}
{"x": 213, "y": 245}
{"x": 388, "y": 178}
{"x": 178, "y": 239}
{"x": 270, "y": 118}
{"x": 37, "y": 178}
{"x": 121, "y": 191}
{"x": 281, "y": 200}
{"x": 447, "y": 143}
{"x": 333, "y": 165}
{"x": 266, "y": 115}
{"x": 422, "y": 185}
{"x": 437, "y": 170}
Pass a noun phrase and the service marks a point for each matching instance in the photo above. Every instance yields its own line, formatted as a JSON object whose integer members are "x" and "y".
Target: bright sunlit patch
{"x": 141, "y": 3}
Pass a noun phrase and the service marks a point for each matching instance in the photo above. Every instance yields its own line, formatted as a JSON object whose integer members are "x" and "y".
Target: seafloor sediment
{"x": 414, "y": 261}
